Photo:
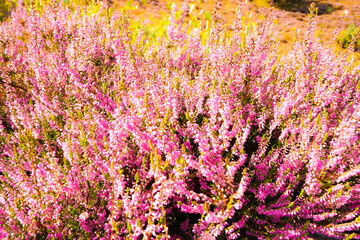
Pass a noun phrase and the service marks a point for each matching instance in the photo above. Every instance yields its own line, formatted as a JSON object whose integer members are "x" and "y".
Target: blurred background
{"x": 337, "y": 21}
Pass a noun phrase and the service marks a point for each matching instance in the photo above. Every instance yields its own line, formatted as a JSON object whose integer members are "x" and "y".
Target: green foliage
{"x": 351, "y": 33}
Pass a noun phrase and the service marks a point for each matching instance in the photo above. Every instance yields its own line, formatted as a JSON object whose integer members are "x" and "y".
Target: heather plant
{"x": 110, "y": 133}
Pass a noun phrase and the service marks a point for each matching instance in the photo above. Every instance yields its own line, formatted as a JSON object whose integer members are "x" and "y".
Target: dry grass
{"x": 333, "y": 15}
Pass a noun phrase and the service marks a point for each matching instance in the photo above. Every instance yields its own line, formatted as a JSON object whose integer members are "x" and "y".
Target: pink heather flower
{"x": 189, "y": 129}
{"x": 184, "y": 226}
{"x": 83, "y": 216}
{"x": 242, "y": 186}
{"x": 3, "y": 232}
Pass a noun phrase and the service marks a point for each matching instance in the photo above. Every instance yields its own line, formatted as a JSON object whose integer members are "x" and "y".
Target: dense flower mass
{"x": 109, "y": 133}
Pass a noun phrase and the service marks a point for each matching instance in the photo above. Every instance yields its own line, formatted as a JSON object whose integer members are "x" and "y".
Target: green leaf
{"x": 207, "y": 15}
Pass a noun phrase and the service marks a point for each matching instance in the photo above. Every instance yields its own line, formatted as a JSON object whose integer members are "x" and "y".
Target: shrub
{"x": 350, "y": 34}
{"x": 106, "y": 134}
{"x": 283, "y": 2}
{"x": 5, "y": 8}
{"x": 287, "y": 1}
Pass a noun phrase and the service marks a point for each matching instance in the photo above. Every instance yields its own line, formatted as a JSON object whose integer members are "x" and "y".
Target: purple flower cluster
{"x": 106, "y": 133}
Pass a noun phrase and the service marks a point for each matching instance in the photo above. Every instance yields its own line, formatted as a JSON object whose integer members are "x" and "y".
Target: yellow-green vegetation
{"x": 5, "y": 8}
{"x": 350, "y": 35}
